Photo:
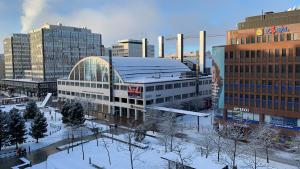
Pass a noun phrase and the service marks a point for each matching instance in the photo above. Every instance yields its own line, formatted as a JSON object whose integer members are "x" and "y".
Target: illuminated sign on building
{"x": 274, "y": 29}
{"x": 271, "y": 30}
{"x": 240, "y": 109}
{"x": 259, "y": 32}
{"x": 135, "y": 91}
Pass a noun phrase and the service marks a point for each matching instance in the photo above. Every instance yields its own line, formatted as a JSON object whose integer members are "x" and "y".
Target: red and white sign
{"x": 135, "y": 91}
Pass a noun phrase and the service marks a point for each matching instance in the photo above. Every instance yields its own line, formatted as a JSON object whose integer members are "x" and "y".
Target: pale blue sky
{"x": 120, "y": 19}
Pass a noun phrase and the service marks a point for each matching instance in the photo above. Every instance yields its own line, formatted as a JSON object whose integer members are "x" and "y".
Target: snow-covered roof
{"x": 142, "y": 70}
{"x": 199, "y": 114}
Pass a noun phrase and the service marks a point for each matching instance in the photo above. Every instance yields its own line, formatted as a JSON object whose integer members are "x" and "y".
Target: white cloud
{"x": 133, "y": 19}
{"x": 32, "y": 9}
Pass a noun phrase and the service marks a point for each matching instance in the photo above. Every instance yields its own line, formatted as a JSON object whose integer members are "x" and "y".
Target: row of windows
{"x": 245, "y": 55}
{"x": 101, "y": 97}
{"x": 175, "y": 85}
{"x": 176, "y": 97}
{"x": 92, "y": 85}
{"x": 256, "y": 70}
{"x": 265, "y": 38}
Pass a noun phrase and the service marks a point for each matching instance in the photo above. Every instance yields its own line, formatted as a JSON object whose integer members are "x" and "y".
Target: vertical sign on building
{"x": 218, "y": 64}
{"x": 161, "y": 46}
{"x": 202, "y": 51}
{"x": 180, "y": 46}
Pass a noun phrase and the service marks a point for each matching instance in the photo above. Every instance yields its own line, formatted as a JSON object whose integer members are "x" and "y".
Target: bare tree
{"x": 185, "y": 157}
{"x": 252, "y": 148}
{"x": 266, "y": 136}
{"x": 106, "y": 146}
{"x": 217, "y": 142}
{"x": 164, "y": 122}
{"x": 296, "y": 147}
{"x": 207, "y": 141}
{"x": 233, "y": 133}
{"x": 134, "y": 151}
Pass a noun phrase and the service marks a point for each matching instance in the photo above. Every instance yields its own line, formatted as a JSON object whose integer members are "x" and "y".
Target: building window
{"x": 139, "y": 102}
{"x": 117, "y": 99}
{"x": 159, "y": 100}
{"x": 288, "y": 36}
{"x": 264, "y": 39}
{"x": 258, "y": 39}
{"x": 124, "y": 88}
{"x": 169, "y": 86}
{"x": 149, "y": 102}
{"x": 177, "y": 85}
{"x": 99, "y": 97}
{"x": 124, "y": 100}
{"x": 159, "y": 87}
{"x": 185, "y": 96}
{"x": 177, "y": 97}
{"x": 192, "y": 83}
{"x": 281, "y": 37}
{"x": 149, "y": 88}
{"x": 131, "y": 101}
{"x": 185, "y": 84}
{"x": 105, "y": 86}
{"x": 275, "y": 38}
{"x": 105, "y": 98}
{"x": 169, "y": 99}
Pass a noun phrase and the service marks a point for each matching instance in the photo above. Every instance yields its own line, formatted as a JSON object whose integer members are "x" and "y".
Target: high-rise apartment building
{"x": 262, "y": 70}
{"x": 55, "y": 49}
{"x": 17, "y": 56}
{"x": 131, "y": 48}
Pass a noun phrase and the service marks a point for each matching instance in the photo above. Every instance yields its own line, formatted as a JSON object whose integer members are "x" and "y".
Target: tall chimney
{"x": 111, "y": 83}
{"x": 144, "y": 47}
{"x": 202, "y": 51}
{"x": 197, "y": 73}
{"x": 180, "y": 46}
{"x": 161, "y": 47}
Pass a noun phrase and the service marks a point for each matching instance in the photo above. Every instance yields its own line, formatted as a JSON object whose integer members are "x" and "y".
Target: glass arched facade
{"x": 93, "y": 69}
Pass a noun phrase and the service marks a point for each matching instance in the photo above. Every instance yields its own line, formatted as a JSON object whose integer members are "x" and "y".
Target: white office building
{"x": 131, "y": 48}
{"x": 136, "y": 84}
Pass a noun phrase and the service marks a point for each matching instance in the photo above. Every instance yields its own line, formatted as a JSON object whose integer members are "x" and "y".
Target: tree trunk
{"x": 267, "y": 152}
{"x": 37, "y": 140}
{"x": 219, "y": 148}
{"x": 82, "y": 147}
{"x": 234, "y": 153}
{"x": 108, "y": 154}
{"x": 206, "y": 155}
{"x": 255, "y": 159}
{"x": 0, "y": 145}
{"x": 171, "y": 146}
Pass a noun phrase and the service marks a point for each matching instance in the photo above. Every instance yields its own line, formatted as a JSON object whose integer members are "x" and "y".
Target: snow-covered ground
{"x": 56, "y": 130}
{"x": 144, "y": 158}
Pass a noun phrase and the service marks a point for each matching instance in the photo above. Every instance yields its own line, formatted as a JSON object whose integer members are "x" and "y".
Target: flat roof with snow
{"x": 185, "y": 112}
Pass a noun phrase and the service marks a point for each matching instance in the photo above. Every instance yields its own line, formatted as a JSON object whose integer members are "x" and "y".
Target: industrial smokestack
{"x": 180, "y": 46}
{"x": 111, "y": 84}
{"x": 202, "y": 51}
{"x": 197, "y": 73}
{"x": 144, "y": 47}
{"x": 161, "y": 46}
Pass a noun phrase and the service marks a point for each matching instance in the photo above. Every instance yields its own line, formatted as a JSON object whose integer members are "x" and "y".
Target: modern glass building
{"x": 135, "y": 84}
